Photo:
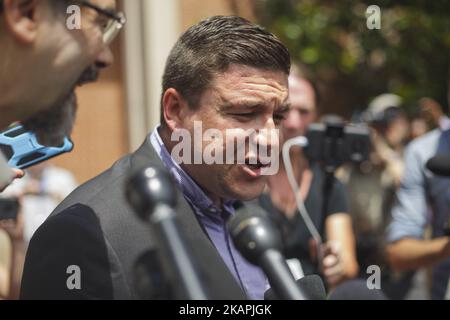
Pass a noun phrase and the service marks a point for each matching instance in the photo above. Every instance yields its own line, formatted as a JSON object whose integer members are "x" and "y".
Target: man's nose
{"x": 105, "y": 58}
{"x": 268, "y": 135}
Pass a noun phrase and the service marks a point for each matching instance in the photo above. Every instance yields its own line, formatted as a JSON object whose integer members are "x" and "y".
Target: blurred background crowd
{"x": 395, "y": 79}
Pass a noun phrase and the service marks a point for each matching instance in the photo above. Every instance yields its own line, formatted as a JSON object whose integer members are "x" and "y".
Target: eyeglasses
{"x": 116, "y": 21}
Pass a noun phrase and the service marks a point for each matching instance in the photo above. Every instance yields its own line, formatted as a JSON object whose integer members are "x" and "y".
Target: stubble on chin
{"x": 54, "y": 124}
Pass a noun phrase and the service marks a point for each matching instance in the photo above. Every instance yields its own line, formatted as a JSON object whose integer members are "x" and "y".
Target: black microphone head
{"x": 253, "y": 234}
{"x": 150, "y": 278}
{"x": 439, "y": 165}
{"x": 356, "y": 290}
{"x": 148, "y": 188}
{"x": 312, "y": 285}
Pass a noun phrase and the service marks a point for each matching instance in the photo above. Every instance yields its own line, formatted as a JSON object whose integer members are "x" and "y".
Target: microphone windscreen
{"x": 311, "y": 285}
{"x": 148, "y": 188}
{"x": 150, "y": 279}
{"x": 439, "y": 165}
{"x": 244, "y": 213}
{"x": 253, "y": 234}
{"x": 356, "y": 290}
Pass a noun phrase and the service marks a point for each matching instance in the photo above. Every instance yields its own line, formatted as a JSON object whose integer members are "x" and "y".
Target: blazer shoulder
{"x": 65, "y": 245}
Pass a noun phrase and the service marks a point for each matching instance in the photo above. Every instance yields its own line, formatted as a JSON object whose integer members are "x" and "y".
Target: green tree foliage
{"x": 409, "y": 55}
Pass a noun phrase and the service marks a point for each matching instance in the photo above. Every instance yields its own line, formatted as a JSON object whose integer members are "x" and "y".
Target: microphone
{"x": 356, "y": 290}
{"x": 439, "y": 165}
{"x": 312, "y": 285}
{"x": 150, "y": 279}
{"x": 152, "y": 195}
{"x": 260, "y": 243}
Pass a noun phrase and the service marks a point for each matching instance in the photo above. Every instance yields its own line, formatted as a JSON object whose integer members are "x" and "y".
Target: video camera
{"x": 333, "y": 143}
{"x": 9, "y": 208}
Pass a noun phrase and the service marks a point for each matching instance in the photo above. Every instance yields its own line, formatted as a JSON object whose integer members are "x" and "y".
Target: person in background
{"x": 419, "y": 234}
{"x": 419, "y": 126}
{"x": 42, "y": 61}
{"x": 372, "y": 186}
{"x": 433, "y": 112}
{"x": 381, "y": 174}
{"x": 334, "y": 223}
{"x": 10, "y": 277}
{"x": 40, "y": 191}
{"x": 12, "y": 249}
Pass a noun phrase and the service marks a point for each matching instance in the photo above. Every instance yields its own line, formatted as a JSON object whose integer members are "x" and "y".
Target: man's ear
{"x": 175, "y": 109}
{"x": 20, "y": 19}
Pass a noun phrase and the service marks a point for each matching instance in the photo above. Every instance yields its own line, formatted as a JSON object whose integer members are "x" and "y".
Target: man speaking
{"x": 225, "y": 74}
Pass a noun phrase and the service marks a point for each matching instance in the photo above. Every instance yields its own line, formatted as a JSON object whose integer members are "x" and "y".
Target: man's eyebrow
{"x": 241, "y": 104}
{"x": 252, "y": 105}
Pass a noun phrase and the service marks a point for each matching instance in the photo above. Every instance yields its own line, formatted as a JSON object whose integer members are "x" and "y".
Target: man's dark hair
{"x": 1, "y": 5}
{"x": 211, "y": 46}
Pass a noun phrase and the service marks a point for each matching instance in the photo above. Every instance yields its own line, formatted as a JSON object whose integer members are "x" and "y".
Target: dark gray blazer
{"x": 95, "y": 229}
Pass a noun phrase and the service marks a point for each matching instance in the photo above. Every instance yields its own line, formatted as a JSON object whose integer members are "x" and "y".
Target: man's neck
{"x": 166, "y": 139}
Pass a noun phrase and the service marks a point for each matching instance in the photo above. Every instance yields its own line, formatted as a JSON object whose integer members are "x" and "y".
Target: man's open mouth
{"x": 254, "y": 167}
{"x": 255, "y": 164}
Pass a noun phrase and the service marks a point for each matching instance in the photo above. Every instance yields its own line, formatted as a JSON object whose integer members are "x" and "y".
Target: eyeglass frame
{"x": 119, "y": 18}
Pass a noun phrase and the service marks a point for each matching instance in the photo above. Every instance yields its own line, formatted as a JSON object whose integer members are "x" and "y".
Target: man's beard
{"x": 54, "y": 124}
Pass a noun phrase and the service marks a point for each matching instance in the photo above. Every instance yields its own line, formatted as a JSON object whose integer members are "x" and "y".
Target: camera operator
{"x": 334, "y": 223}
{"x": 372, "y": 186}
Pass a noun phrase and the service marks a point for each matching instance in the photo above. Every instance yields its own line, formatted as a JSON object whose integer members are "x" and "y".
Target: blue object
{"x": 22, "y": 149}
